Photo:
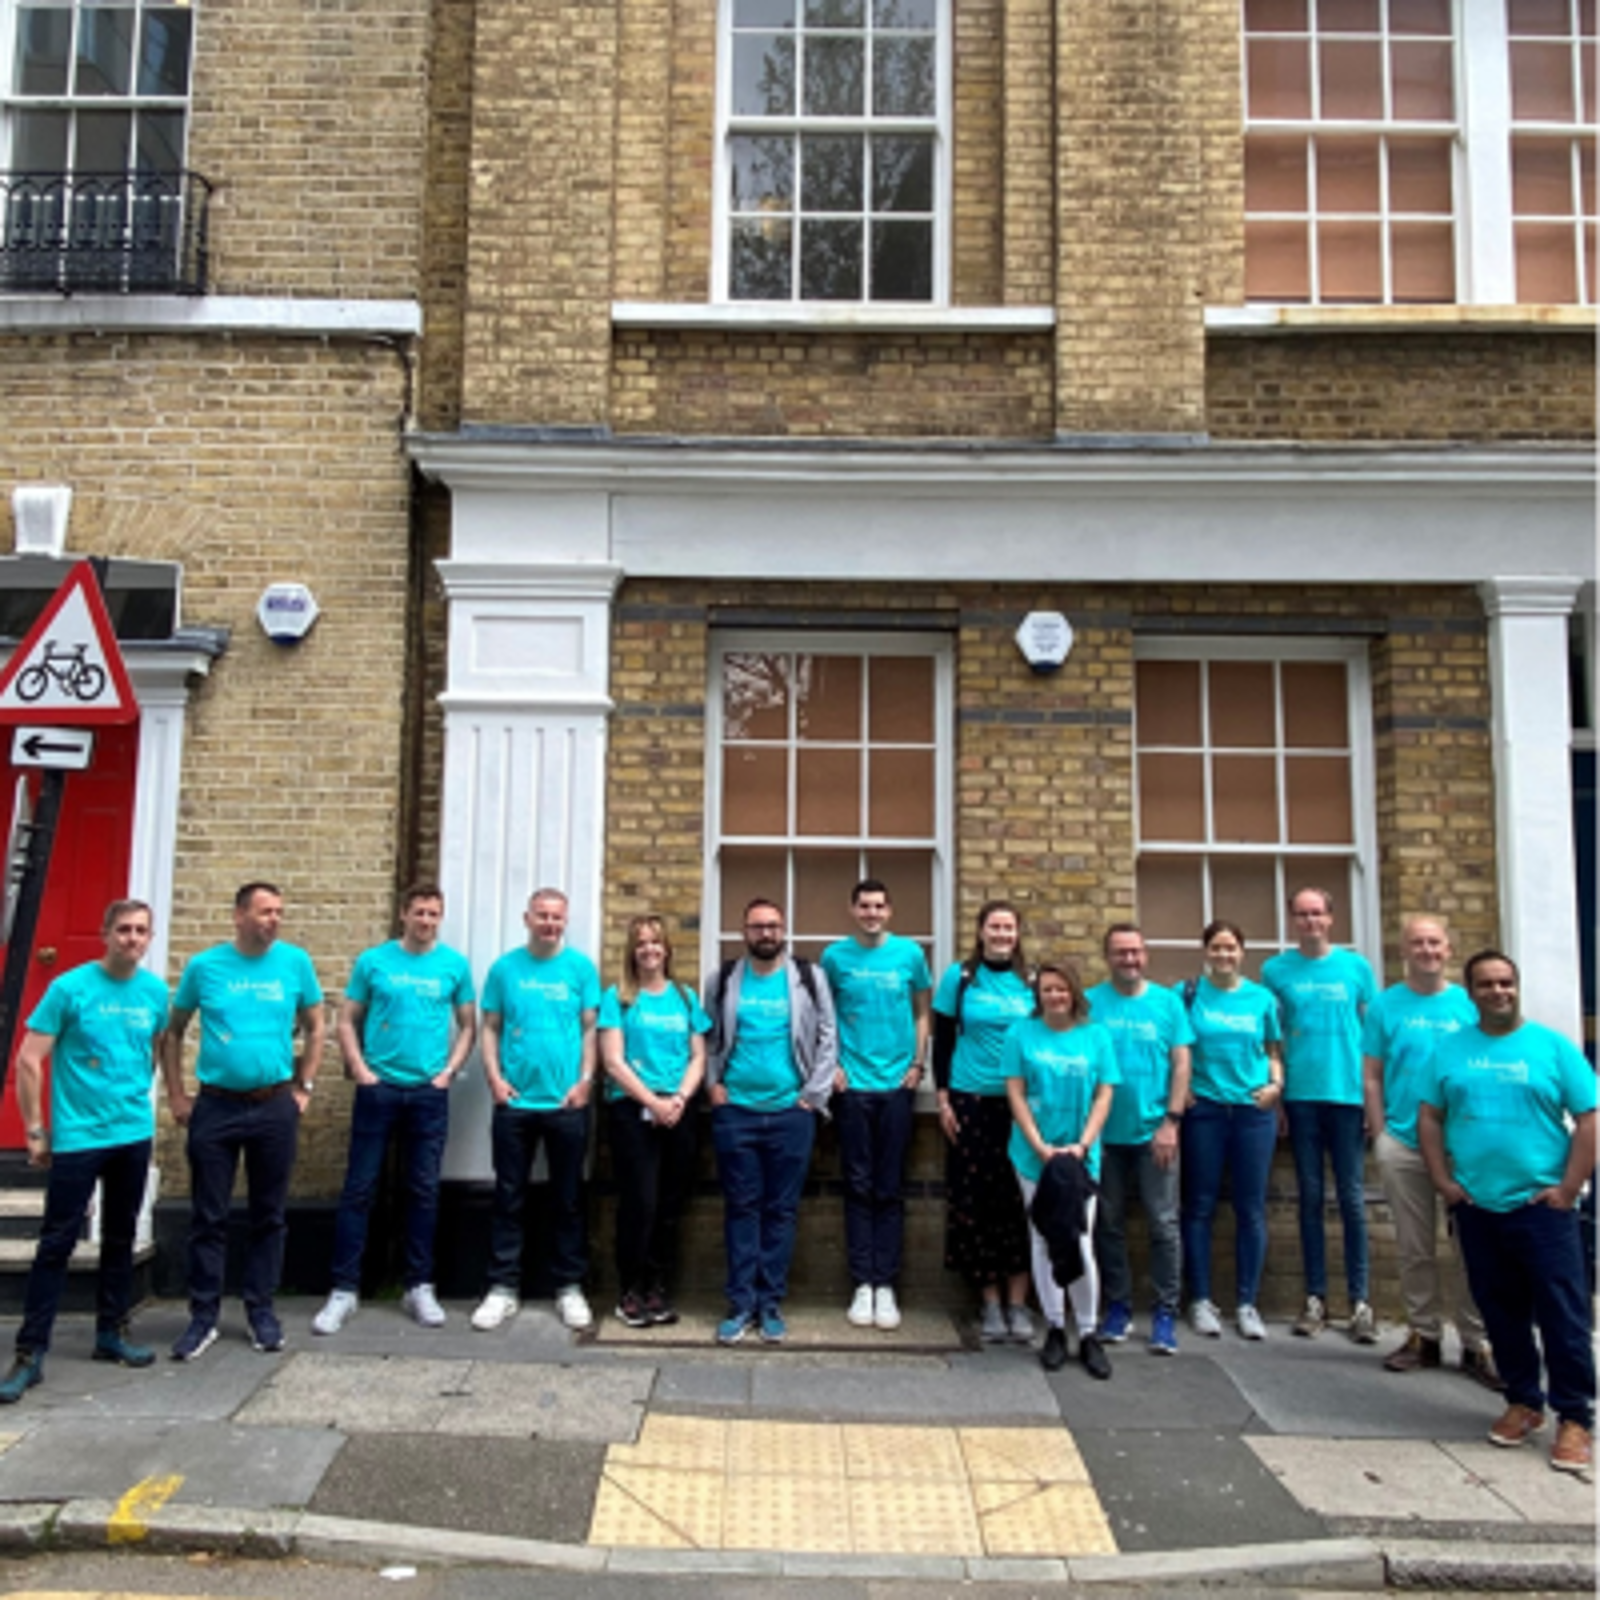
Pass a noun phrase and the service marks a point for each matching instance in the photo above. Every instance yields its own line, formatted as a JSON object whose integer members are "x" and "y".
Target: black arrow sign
{"x": 37, "y": 745}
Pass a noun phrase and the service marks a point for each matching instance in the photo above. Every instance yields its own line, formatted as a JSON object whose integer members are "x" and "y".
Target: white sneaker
{"x": 342, "y": 1305}
{"x": 573, "y": 1309}
{"x": 885, "y": 1310}
{"x": 497, "y": 1307}
{"x": 1250, "y": 1324}
{"x": 1205, "y": 1319}
{"x": 860, "y": 1313}
{"x": 1021, "y": 1324}
{"x": 422, "y": 1306}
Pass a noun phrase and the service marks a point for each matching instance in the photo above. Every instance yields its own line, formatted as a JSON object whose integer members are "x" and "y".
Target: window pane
{"x": 829, "y": 799}
{"x": 1169, "y": 903}
{"x": 1586, "y": 186}
{"x": 1244, "y": 800}
{"x": 1279, "y": 77}
{"x": 1538, "y": 16}
{"x": 1171, "y": 966}
{"x": 1351, "y": 262}
{"x": 1323, "y": 872}
{"x": 763, "y": 13}
{"x": 902, "y": 261}
{"x": 902, "y": 174}
{"x": 1420, "y": 16}
{"x": 1347, "y": 175}
{"x": 103, "y": 141}
{"x": 160, "y": 141}
{"x": 902, "y": 77}
{"x": 823, "y": 880}
{"x": 1171, "y": 804}
{"x": 835, "y": 14}
{"x": 1541, "y": 82}
{"x": 1277, "y": 261}
{"x": 830, "y": 261}
{"x": 900, "y": 705}
{"x": 831, "y": 169}
{"x": 761, "y": 173}
{"x": 1419, "y": 176}
{"x": 1348, "y": 16}
{"x": 1315, "y": 705}
{"x": 828, "y": 697}
{"x": 755, "y": 790}
{"x": 44, "y": 36}
{"x": 913, "y": 15}
{"x": 755, "y": 696}
{"x": 747, "y": 873}
{"x": 1541, "y": 178}
{"x": 1319, "y": 799}
{"x": 1242, "y": 711}
{"x": 1352, "y": 79}
{"x": 1421, "y": 81}
{"x": 1244, "y": 889}
{"x": 1274, "y": 174}
{"x": 900, "y": 794}
{"x": 1588, "y": 264}
{"x": 164, "y": 52}
{"x": 835, "y": 77}
{"x": 105, "y": 51}
{"x": 1423, "y": 260}
{"x": 1167, "y": 702}
{"x": 909, "y": 875}
{"x": 1546, "y": 269}
{"x": 759, "y": 260}
{"x": 1275, "y": 16}
{"x": 763, "y": 75}
{"x": 41, "y": 142}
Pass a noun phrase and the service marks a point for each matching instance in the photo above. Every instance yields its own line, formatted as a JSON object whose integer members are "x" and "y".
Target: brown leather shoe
{"x": 1479, "y": 1366}
{"x": 1416, "y": 1352}
{"x": 1515, "y": 1425}
{"x": 1573, "y": 1451}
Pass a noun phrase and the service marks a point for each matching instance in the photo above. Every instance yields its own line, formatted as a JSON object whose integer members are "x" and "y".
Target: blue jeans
{"x": 1125, "y": 1168}
{"x": 874, "y": 1132}
{"x": 421, "y": 1115}
{"x": 123, "y": 1169}
{"x": 762, "y": 1161}
{"x": 1526, "y": 1270}
{"x": 221, "y": 1130}
{"x": 1318, "y": 1128}
{"x": 1239, "y": 1140}
{"x": 515, "y": 1136}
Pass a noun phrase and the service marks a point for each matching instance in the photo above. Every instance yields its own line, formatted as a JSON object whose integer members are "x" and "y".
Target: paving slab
{"x": 964, "y": 1390}
{"x": 601, "y": 1404}
{"x": 1523, "y": 1479}
{"x": 1153, "y": 1392}
{"x": 220, "y": 1465}
{"x": 715, "y": 1386}
{"x": 1189, "y": 1489}
{"x": 358, "y": 1394}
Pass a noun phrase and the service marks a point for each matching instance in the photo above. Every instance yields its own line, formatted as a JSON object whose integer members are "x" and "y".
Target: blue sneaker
{"x": 774, "y": 1330}
{"x": 266, "y": 1332}
{"x": 26, "y": 1371}
{"x": 113, "y": 1344}
{"x": 1115, "y": 1323}
{"x": 195, "y": 1340}
{"x": 1163, "y": 1334}
{"x": 734, "y": 1327}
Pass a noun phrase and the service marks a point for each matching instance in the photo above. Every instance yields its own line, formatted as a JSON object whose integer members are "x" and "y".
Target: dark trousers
{"x": 419, "y": 1114}
{"x": 221, "y": 1130}
{"x": 762, "y": 1160}
{"x": 1126, "y": 1169}
{"x": 122, "y": 1169}
{"x": 1525, "y": 1269}
{"x": 515, "y": 1137}
{"x": 654, "y": 1170}
{"x": 1319, "y": 1128}
{"x": 1238, "y": 1140}
{"x": 874, "y": 1133}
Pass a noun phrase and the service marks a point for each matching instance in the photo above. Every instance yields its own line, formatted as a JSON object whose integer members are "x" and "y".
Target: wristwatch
{"x": 34, "y": 1133}
{"x": 306, "y": 1085}
{"x": 1174, "y": 1117}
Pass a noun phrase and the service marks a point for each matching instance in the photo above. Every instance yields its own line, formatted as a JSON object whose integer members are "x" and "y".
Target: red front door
{"x": 88, "y": 870}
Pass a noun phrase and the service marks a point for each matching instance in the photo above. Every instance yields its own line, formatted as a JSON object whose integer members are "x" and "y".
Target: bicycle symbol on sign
{"x": 66, "y": 668}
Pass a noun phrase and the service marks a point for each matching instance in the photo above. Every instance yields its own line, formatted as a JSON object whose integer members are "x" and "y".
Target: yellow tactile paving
{"x": 853, "y": 1488}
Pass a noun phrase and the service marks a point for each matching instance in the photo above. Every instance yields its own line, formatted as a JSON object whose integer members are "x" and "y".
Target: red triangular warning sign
{"x": 68, "y": 672}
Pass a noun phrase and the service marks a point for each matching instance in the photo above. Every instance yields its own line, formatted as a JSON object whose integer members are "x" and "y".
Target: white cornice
{"x": 211, "y": 314}
{"x": 489, "y": 580}
{"x": 811, "y": 317}
{"x": 526, "y": 706}
{"x": 1529, "y": 597}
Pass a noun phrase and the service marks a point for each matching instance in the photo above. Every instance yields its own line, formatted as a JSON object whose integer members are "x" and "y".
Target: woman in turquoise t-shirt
{"x": 986, "y": 1234}
{"x": 1231, "y": 1125}
{"x": 653, "y": 1045}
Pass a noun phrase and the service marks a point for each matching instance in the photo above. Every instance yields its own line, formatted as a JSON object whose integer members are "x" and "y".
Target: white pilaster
{"x": 1532, "y": 737}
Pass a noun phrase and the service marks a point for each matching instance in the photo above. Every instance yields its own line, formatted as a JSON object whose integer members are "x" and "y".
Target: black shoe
{"x": 631, "y": 1311}
{"x": 1093, "y": 1356}
{"x": 659, "y": 1309}
{"x": 1054, "y": 1355}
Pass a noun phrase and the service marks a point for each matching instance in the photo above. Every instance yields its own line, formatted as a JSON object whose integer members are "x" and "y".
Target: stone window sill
{"x": 1248, "y": 321}
{"x": 792, "y": 318}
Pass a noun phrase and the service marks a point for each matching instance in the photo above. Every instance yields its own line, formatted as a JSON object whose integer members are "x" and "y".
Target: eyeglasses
{"x": 763, "y": 927}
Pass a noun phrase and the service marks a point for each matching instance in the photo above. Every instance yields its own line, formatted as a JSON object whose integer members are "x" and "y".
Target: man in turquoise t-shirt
{"x": 1507, "y": 1127}
{"x": 1150, "y": 1033}
{"x": 1323, "y": 994}
{"x": 881, "y": 988}
{"x": 1403, "y": 1028}
{"x": 98, "y": 1026}
{"x": 405, "y": 1030}
{"x": 253, "y": 995}
{"x": 540, "y": 1057}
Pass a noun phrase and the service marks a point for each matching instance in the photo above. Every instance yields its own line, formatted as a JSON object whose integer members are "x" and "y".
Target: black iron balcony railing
{"x": 104, "y": 233}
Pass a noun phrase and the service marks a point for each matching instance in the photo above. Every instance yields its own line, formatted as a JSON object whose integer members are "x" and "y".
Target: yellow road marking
{"x": 127, "y": 1524}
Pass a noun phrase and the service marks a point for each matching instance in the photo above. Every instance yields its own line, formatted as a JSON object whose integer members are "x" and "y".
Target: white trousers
{"x": 1085, "y": 1293}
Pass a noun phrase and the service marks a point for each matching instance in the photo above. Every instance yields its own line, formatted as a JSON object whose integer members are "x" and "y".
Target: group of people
{"x": 1059, "y": 1105}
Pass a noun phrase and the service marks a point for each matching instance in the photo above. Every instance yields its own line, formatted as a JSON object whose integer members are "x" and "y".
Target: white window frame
{"x": 940, "y": 648}
{"x": 728, "y": 126}
{"x": 1365, "y": 911}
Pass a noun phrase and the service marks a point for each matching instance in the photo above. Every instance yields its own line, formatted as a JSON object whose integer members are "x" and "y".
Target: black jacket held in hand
{"x": 1060, "y": 1211}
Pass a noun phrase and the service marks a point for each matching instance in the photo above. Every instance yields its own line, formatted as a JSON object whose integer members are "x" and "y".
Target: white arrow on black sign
{"x": 66, "y": 748}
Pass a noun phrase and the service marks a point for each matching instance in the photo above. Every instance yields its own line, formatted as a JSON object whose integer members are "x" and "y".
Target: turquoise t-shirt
{"x": 873, "y": 988}
{"x": 103, "y": 1057}
{"x": 1145, "y": 1029}
{"x": 1321, "y": 1003}
{"x": 1403, "y": 1029}
{"x": 993, "y": 1003}
{"x": 1232, "y": 1029}
{"x": 541, "y": 1001}
{"x": 1505, "y": 1100}
{"x": 760, "y": 1073}
{"x": 1060, "y": 1070}
{"x": 410, "y": 1001}
{"x": 247, "y": 1006}
{"x": 655, "y": 1034}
